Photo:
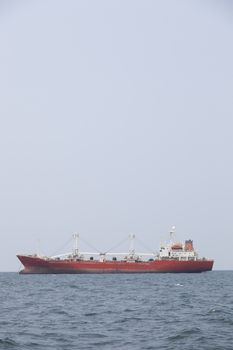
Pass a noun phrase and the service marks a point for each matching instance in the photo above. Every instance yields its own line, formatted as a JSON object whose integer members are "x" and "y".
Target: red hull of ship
{"x": 36, "y": 265}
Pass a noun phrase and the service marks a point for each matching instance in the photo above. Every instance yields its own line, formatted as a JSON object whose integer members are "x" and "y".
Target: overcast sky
{"x": 116, "y": 117}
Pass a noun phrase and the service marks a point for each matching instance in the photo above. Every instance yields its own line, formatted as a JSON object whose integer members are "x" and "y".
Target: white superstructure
{"x": 177, "y": 251}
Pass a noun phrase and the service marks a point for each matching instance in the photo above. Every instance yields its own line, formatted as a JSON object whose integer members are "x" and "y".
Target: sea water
{"x": 122, "y": 311}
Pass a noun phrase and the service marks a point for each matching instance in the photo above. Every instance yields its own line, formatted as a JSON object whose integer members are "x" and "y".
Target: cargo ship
{"x": 172, "y": 258}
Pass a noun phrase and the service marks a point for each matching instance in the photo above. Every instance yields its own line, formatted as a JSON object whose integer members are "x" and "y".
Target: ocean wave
{"x": 185, "y": 333}
{"x": 7, "y": 343}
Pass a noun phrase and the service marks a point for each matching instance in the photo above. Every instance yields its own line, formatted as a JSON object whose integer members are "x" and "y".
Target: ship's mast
{"x": 131, "y": 244}
{"x": 76, "y": 241}
{"x": 172, "y": 233}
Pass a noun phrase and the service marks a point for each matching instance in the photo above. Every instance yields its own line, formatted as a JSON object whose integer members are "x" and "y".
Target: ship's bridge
{"x": 177, "y": 251}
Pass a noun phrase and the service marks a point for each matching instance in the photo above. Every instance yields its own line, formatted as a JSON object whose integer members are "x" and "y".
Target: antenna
{"x": 76, "y": 241}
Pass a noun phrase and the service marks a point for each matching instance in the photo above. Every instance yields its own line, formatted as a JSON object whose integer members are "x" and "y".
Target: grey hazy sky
{"x": 116, "y": 117}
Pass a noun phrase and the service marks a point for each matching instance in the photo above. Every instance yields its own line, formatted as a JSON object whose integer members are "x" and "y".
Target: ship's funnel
{"x": 189, "y": 245}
